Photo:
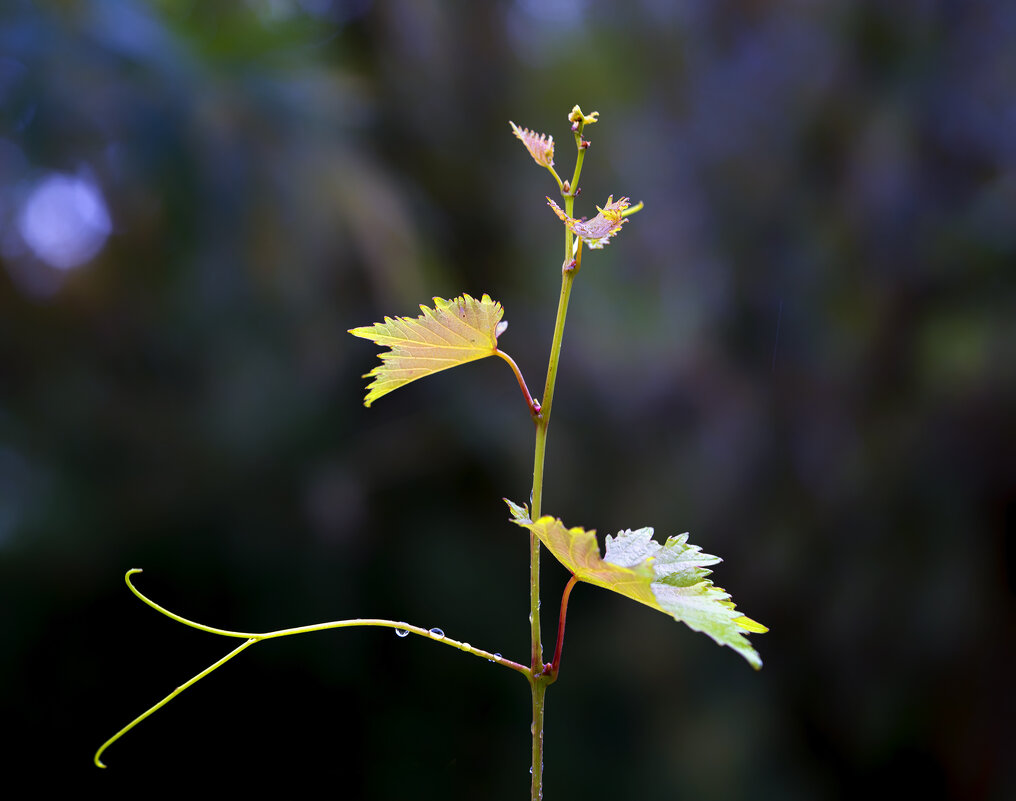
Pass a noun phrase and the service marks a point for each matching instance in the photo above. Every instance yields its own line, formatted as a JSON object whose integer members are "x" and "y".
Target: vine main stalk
{"x": 541, "y": 675}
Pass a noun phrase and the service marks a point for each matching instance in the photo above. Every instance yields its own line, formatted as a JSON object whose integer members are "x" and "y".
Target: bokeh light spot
{"x": 64, "y": 220}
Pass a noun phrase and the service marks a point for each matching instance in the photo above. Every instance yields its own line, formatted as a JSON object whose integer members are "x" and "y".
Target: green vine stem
{"x": 404, "y": 629}
{"x": 541, "y": 675}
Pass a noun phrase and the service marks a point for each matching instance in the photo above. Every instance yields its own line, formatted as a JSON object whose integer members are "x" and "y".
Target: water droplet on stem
{"x": 437, "y": 634}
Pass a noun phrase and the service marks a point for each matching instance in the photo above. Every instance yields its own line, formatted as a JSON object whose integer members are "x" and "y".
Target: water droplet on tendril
{"x": 437, "y": 634}
{"x": 497, "y": 657}
{"x": 401, "y": 633}
{"x": 466, "y": 646}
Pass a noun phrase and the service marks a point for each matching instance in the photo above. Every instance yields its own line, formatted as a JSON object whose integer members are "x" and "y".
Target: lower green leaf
{"x": 670, "y": 578}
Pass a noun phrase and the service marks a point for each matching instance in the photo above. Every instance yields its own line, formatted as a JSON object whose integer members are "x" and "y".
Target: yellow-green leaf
{"x": 454, "y": 332}
{"x": 670, "y": 578}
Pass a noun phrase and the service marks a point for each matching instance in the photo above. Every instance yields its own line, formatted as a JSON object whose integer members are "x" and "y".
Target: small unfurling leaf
{"x": 454, "y": 332}
{"x": 597, "y": 231}
{"x": 540, "y": 146}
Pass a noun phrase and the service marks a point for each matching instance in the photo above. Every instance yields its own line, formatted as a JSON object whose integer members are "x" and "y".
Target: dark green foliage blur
{"x": 803, "y": 351}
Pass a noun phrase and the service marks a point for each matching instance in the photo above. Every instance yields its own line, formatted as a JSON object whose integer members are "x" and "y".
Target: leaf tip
{"x": 750, "y": 625}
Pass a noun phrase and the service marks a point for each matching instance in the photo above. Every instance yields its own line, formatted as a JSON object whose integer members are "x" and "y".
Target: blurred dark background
{"x": 802, "y": 351}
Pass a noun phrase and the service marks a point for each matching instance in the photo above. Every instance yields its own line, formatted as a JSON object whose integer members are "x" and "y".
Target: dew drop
{"x": 466, "y": 646}
{"x": 401, "y": 633}
{"x": 497, "y": 657}
{"x": 437, "y": 634}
